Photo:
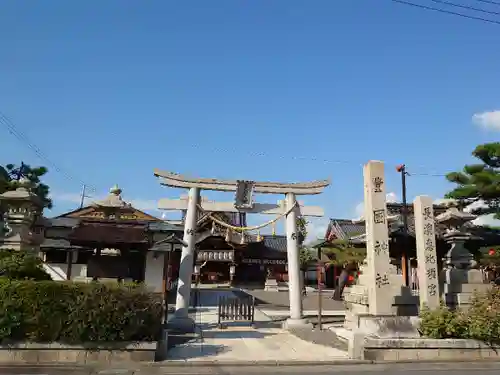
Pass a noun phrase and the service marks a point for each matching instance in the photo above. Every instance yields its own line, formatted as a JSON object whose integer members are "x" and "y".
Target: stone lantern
{"x": 460, "y": 276}
{"x": 21, "y": 209}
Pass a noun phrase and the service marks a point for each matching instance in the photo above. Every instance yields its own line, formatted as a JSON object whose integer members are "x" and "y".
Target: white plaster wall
{"x": 59, "y": 271}
{"x": 153, "y": 277}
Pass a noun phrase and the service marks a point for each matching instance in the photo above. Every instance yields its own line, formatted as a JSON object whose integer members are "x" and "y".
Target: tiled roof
{"x": 341, "y": 229}
{"x": 57, "y": 244}
{"x": 160, "y": 226}
{"x": 346, "y": 229}
{"x": 277, "y": 243}
{"x": 109, "y": 234}
{"x": 63, "y": 222}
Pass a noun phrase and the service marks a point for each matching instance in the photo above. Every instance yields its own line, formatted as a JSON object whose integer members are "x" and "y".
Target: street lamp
{"x": 165, "y": 247}
{"x": 405, "y": 266}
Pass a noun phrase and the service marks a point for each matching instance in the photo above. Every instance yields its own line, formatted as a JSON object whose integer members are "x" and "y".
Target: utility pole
{"x": 83, "y": 196}
{"x": 404, "y": 212}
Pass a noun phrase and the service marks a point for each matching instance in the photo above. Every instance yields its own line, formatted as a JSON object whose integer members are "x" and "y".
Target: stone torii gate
{"x": 243, "y": 203}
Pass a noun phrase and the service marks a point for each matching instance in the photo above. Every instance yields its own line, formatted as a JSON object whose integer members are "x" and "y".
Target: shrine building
{"x": 111, "y": 240}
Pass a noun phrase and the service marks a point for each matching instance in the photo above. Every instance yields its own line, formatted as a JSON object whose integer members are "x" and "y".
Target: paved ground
{"x": 280, "y": 300}
{"x": 387, "y": 369}
{"x": 240, "y": 342}
{"x": 323, "y": 337}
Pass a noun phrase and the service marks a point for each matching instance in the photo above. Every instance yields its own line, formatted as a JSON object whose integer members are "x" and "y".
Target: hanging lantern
{"x": 491, "y": 252}
{"x": 228, "y": 235}
{"x": 213, "y": 227}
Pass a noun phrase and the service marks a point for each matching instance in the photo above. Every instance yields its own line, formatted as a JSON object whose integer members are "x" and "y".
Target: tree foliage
{"x": 489, "y": 257}
{"x": 302, "y": 229}
{"x": 343, "y": 253}
{"x": 11, "y": 174}
{"x": 306, "y": 257}
{"x": 479, "y": 182}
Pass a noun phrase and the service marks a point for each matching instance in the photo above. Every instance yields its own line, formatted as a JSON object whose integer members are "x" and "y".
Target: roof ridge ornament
{"x": 113, "y": 200}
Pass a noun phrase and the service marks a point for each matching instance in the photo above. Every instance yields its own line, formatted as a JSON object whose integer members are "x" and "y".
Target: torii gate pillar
{"x": 294, "y": 285}
{"x": 182, "y": 319}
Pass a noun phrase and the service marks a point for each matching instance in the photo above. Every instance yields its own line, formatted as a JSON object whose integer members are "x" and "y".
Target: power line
{"x": 466, "y": 7}
{"x": 426, "y": 7}
{"x": 21, "y": 137}
{"x": 489, "y": 2}
{"x": 89, "y": 188}
{"x": 429, "y": 172}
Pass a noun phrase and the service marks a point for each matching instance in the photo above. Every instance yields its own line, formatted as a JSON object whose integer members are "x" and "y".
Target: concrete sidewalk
{"x": 242, "y": 343}
{"x": 264, "y": 345}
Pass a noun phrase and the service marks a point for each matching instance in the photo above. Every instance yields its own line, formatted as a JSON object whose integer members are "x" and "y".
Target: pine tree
{"x": 479, "y": 182}
{"x": 10, "y": 175}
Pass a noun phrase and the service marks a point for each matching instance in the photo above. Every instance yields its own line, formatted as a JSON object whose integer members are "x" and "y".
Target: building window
{"x": 56, "y": 256}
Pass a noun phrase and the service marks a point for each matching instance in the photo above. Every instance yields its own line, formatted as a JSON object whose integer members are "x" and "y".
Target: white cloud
{"x": 443, "y": 201}
{"x": 316, "y": 228}
{"x": 140, "y": 204}
{"x": 359, "y": 210}
{"x": 487, "y": 120}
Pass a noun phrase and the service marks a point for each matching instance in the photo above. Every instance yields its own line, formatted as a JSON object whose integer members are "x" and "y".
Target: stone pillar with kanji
{"x": 425, "y": 235}
{"x": 372, "y": 303}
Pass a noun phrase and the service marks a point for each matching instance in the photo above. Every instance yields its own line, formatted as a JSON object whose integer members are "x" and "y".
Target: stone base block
{"x": 182, "y": 324}
{"x": 271, "y": 285}
{"x": 296, "y": 323}
{"x": 441, "y": 350}
{"x": 386, "y": 326}
{"x": 55, "y": 353}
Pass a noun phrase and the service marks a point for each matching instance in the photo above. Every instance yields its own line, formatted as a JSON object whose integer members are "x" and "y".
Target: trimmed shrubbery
{"x": 49, "y": 311}
{"x": 480, "y": 322}
{"x": 35, "y": 308}
{"x": 20, "y": 265}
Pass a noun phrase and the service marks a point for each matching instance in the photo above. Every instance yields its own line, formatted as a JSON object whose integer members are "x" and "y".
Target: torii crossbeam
{"x": 244, "y": 204}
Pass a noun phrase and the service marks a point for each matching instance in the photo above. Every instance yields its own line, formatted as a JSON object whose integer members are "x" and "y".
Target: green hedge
{"x": 480, "y": 322}
{"x": 49, "y": 311}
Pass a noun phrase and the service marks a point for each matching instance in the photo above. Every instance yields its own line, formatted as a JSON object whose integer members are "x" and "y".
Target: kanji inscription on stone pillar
{"x": 380, "y": 293}
{"x": 425, "y": 235}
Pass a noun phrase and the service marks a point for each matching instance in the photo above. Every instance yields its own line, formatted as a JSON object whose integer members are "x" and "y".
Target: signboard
{"x": 244, "y": 195}
{"x": 264, "y": 261}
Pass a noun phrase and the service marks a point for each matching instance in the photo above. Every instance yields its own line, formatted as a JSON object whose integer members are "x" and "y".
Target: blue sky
{"x": 283, "y": 90}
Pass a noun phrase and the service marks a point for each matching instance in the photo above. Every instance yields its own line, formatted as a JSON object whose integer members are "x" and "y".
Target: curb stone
{"x": 183, "y": 363}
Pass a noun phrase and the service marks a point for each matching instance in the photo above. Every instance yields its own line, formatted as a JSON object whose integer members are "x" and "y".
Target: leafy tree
{"x": 490, "y": 257}
{"x": 15, "y": 265}
{"x": 10, "y": 175}
{"x": 479, "y": 182}
{"x": 342, "y": 253}
{"x": 306, "y": 257}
